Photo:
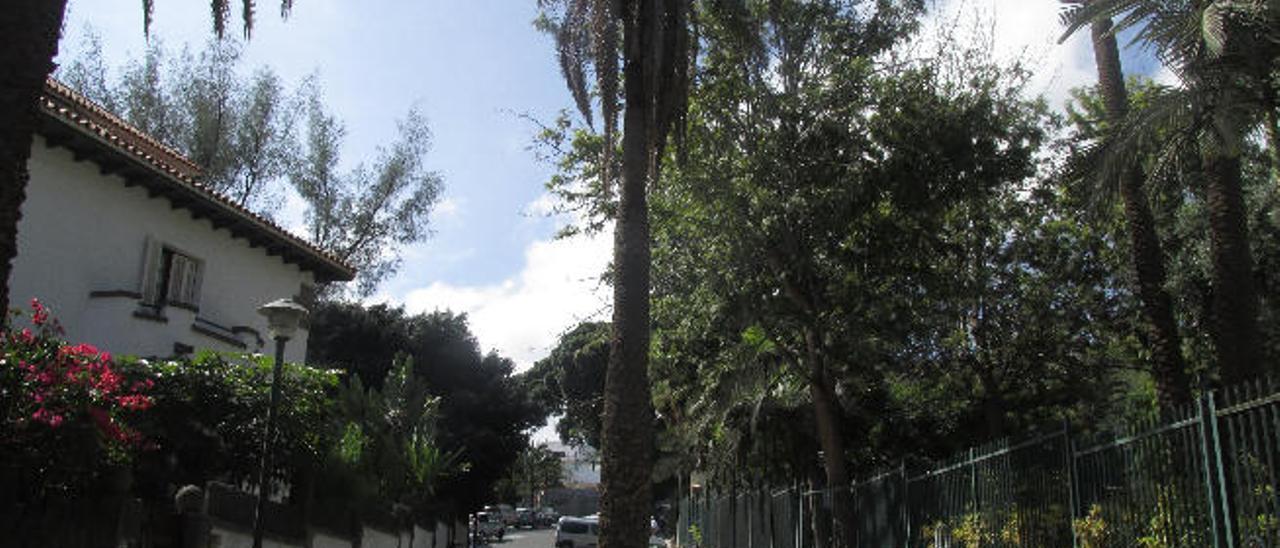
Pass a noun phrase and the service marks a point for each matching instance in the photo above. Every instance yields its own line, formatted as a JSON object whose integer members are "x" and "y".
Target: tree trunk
{"x": 1235, "y": 298}
{"x": 828, "y": 418}
{"x": 627, "y": 431}
{"x": 993, "y": 407}
{"x": 31, "y": 29}
{"x": 1173, "y": 386}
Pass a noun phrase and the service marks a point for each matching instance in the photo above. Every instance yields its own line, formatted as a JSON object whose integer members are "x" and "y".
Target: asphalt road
{"x": 527, "y": 538}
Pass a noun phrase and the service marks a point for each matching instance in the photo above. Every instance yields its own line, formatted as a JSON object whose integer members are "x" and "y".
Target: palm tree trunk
{"x": 1273, "y": 143}
{"x": 31, "y": 29}
{"x": 1173, "y": 385}
{"x": 627, "y": 431}
{"x": 1235, "y": 298}
{"x": 827, "y": 416}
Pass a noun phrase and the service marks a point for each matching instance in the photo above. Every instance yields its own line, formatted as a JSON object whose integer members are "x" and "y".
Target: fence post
{"x": 906, "y": 505}
{"x": 1069, "y": 446}
{"x": 973, "y": 478}
{"x": 1214, "y": 478}
{"x": 799, "y": 512}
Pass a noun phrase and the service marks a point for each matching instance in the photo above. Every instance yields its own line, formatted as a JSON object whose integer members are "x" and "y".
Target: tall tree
{"x": 483, "y": 413}
{"x": 240, "y": 129}
{"x": 365, "y": 215}
{"x": 1224, "y": 53}
{"x": 570, "y": 382}
{"x": 32, "y": 29}
{"x": 654, "y": 48}
{"x": 1147, "y": 257}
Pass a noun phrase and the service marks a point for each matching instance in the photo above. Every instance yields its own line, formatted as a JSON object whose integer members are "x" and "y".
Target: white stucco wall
{"x": 441, "y": 536}
{"x": 374, "y": 538}
{"x": 323, "y": 540}
{"x": 222, "y": 537}
{"x": 422, "y": 538}
{"x": 82, "y": 231}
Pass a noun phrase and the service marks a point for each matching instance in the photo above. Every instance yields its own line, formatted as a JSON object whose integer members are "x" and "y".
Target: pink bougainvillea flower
{"x": 134, "y": 402}
{"x": 82, "y": 349}
{"x": 39, "y": 314}
{"x": 108, "y": 382}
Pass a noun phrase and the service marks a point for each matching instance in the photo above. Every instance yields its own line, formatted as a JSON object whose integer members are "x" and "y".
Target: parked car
{"x": 487, "y": 526}
{"x": 504, "y": 511}
{"x": 547, "y": 517}
{"x": 524, "y": 518}
{"x": 577, "y": 532}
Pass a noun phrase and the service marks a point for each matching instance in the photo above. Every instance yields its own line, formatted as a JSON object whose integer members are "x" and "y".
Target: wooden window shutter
{"x": 150, "y": 282}
{"x": 184, "y": 280}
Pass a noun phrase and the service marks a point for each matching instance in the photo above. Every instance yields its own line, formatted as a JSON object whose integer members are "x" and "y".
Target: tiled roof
{"x": 167, "y": 172}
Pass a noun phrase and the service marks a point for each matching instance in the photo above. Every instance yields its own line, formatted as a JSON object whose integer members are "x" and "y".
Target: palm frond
{"x": 246, "y": 12}
{"x": 573, "y": 47}
{"x": 1078, "y": 14}
{"x": 220, "y": 9}
{"x": 1164, "y": 129}
{"x": 148, "y": 13}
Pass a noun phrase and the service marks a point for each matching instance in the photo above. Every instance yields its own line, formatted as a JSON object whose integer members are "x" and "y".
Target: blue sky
{"x": 470, "y": 66}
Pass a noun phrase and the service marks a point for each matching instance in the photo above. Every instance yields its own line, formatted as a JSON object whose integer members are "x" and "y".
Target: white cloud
{"x": 544, "y": 206}
{"x": 449, "y": 207}
{"x": 522, "y": 316}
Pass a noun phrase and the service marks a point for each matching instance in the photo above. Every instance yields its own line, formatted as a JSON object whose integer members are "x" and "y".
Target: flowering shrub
{"x": 64, "y": 404}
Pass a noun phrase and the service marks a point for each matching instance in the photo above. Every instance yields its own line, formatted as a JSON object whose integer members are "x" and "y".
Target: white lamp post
{"x": 283, "y": 317}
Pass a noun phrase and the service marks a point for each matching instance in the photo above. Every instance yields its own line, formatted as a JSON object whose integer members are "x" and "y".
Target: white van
{"x": 577, "y": 532}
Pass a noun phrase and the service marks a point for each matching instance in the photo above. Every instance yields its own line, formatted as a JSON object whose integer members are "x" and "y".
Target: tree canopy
{"x": 257, "y": 141}
{"x": 482, "y": 412}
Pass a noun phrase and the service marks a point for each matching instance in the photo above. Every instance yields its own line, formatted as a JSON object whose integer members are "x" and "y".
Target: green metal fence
{"x": 1204, "y": 476}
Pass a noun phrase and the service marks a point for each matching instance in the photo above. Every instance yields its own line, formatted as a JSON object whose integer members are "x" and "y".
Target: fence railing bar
{"x": 1196, "y": 476}
{"x": 988, "y": 456}
{"x": 875, "y": 478}
{"x": 1138, "y": 437}
{"x": 1242, "y": 407}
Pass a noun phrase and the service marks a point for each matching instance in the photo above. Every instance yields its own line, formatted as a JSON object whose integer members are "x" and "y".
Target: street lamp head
{"x": 283, "y": 317}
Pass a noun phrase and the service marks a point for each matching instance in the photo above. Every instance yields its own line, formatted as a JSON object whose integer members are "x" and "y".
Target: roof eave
{"x": 85, "y": 144}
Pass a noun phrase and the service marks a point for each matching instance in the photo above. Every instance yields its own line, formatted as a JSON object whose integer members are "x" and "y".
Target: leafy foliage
{"x": 387, "y": 452}
{"x": 483, "y": 413}
{"x": 536, "y": 469}
{"x": 210, "y": 413}
{"x": 570, "y": 382}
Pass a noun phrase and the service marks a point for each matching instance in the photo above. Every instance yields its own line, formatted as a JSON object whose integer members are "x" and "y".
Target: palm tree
{"x": 653, "y": 44}
{"x": 1223, "y": 52}
{"x": 1173, "y": 385}
{"x": 31, "y": 29}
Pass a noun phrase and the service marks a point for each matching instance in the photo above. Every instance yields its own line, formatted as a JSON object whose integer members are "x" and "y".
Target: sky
{"x": 472, "y": 67}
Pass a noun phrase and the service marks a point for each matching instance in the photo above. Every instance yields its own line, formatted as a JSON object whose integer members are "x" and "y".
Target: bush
{"x": 66, "y": 410}
{"x": 210, "y": 414}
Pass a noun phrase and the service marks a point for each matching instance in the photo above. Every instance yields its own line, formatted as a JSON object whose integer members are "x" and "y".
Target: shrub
{"x": 210, "y": 414}
{"x": 66, "y": 411}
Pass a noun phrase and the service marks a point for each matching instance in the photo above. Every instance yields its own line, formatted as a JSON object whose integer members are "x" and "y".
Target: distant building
{"x": 135, "y": 255}
{"x": 581, "y": 464}
{"x": 580, "y": 495}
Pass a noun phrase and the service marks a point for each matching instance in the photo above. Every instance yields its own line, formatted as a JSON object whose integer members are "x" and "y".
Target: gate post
{"x": 1214, "y": 478}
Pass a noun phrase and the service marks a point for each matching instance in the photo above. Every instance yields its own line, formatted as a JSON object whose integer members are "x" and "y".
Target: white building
{"x": 135, "y": 256}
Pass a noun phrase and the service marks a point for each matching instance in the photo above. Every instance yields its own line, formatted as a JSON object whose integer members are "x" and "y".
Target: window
{"x": 171, "y": 277}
